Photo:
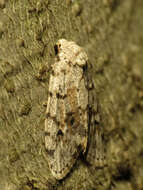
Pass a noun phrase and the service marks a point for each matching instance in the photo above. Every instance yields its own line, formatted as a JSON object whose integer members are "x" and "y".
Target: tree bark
{"x": 111, "y": 33}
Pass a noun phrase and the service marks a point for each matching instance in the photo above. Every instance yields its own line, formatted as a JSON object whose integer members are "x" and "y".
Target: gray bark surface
{"x": 111, "y": 32}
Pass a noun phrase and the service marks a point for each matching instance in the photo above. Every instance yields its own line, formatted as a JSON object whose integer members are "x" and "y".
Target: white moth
{"x": 71, "y": 111}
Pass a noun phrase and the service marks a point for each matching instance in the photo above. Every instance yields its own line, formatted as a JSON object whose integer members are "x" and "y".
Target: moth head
{"x": 69, "y": 50}
{"x": 59, "y": 46}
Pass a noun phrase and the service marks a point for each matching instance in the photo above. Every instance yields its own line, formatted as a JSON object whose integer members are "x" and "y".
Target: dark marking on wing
{"x": 50, "y": 94}
{"x": 60, "y": 133}
{"x": 59, "y": 96}
{"x": 50, "y": 152}
{"x": 47, "y": 133}
{"x": 53, "y": 118}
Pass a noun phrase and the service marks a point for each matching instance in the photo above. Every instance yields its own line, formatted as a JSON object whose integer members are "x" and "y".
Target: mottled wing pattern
{"x": 66, "y": 124}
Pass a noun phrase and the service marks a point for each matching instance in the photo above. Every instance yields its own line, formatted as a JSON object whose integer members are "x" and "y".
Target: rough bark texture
{"x": 111, "y": 31}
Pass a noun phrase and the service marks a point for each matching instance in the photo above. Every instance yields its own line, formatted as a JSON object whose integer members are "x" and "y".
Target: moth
{"x": 71, "y": 124}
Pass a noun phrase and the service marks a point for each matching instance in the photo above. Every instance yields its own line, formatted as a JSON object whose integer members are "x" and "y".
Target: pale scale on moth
{"x": 71, "y": 126}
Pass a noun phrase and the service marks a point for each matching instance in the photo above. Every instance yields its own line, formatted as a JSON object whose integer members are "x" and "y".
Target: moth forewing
{"x": 66, "y": 124}
{"x": 71, "y": 115}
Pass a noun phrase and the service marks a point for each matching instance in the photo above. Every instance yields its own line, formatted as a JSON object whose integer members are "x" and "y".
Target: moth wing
{"x": 96, "y": 151}
{"x": 66, "y": 125}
